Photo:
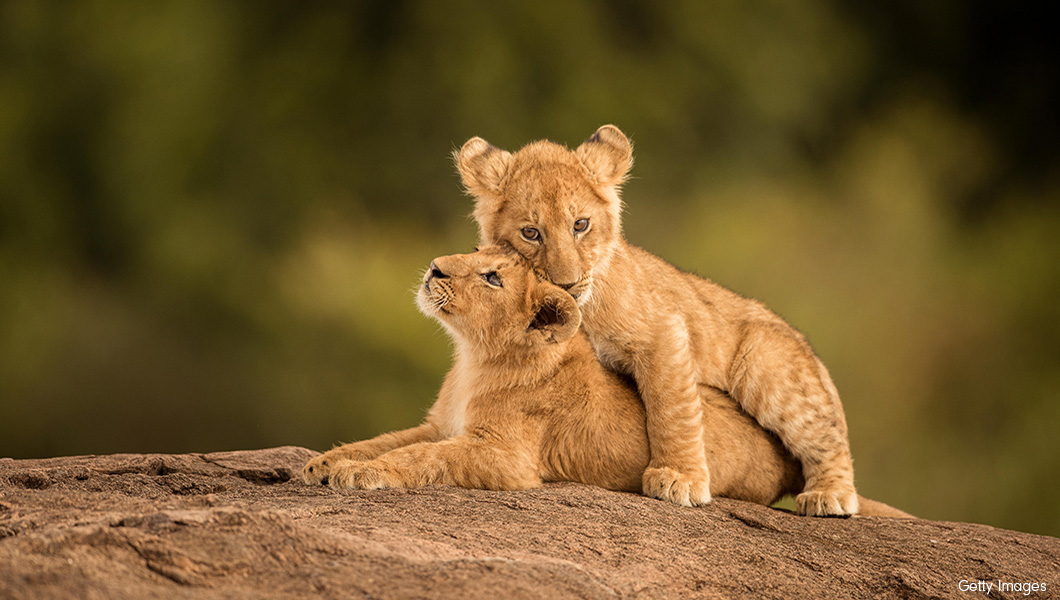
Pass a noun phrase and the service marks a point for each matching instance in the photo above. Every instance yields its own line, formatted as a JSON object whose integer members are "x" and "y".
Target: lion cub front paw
{"x": 354, "y": 475}
{"x": 815, "y": 503}
{"x": 674, "y": 486}
{"x": 319, "y": 469}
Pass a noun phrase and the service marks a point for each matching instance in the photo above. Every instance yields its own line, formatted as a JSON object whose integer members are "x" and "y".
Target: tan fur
{"x": 677, "y": 334}
{"x": 527, "y": 401}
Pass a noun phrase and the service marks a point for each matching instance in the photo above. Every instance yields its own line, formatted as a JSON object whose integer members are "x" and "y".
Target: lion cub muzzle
{"x": 433, "y": 272}
{"x": 438, "y": 285}
{"x": 563, "y": 268}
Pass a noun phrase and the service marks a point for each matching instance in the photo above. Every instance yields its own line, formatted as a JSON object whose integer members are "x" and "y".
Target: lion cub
{"x": 682, "y": 338}
{"x": 527, "y": 401}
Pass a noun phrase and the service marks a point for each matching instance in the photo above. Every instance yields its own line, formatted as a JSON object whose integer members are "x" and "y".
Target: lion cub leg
{"x": 470, "y": 461}
{"x": 318, "y": 470}
{"x": 780, "y": 382}
{"x": 677, "y": 470}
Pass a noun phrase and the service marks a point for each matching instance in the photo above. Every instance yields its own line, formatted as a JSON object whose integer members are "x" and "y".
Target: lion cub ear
{"x": 607, "y": 154}
{"x": 482, "y": 167}
{"x": 556, "y": 317}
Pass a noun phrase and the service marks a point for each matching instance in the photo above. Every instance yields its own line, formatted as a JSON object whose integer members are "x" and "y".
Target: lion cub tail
{"x": 872, "y": 508}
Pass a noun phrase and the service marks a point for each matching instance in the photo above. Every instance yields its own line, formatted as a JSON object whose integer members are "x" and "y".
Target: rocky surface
{"x": 242, "y": 525}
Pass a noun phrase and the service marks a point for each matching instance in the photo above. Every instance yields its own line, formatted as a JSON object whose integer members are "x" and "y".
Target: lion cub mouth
{"x": 434, "y": 298}
{"x": 581, "y": 291}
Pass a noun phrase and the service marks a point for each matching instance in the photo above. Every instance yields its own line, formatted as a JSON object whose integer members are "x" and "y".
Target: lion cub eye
{"x": 581, "y": 225}
{"x": 492, "y": 278}
{"x": 531, "y": 234}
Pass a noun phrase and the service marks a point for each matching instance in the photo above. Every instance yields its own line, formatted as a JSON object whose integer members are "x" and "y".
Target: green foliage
{"x": 212, "y": 215}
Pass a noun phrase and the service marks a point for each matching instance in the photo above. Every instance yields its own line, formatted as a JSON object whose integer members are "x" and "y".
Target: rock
{"x": 242, "y": 524}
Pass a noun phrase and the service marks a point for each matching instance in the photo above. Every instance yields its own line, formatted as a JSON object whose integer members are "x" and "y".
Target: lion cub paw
{"x": 826, "y": 504}
{"x": 319, "y": 469}
{"x": 354, "y": 475}
{"x": 674, "y": 486}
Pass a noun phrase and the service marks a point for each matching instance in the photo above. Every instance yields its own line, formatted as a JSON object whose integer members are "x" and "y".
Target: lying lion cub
{"x": 527, "y": 401}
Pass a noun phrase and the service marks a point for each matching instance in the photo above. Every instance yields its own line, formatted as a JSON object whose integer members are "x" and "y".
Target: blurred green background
{"x": 212, "y": 214}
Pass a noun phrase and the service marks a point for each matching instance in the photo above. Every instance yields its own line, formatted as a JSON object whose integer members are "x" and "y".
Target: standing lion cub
{"x": 681, "y": 337}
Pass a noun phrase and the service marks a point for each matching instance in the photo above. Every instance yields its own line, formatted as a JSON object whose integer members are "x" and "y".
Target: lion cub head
{"x": 556, "y": 207}
{"x": 491, "y": 300}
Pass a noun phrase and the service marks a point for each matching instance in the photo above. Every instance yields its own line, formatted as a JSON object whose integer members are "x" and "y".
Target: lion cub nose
{"x": 435, "y": 272}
